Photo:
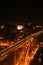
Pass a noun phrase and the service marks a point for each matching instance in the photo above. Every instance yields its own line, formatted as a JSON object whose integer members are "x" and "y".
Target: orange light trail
{"x": 24, "y": 57}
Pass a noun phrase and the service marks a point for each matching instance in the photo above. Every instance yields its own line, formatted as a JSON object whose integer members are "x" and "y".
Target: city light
{"x": 29, "y": 23}
{"x": 22, "y": 42}
{"x": 39, "y": 26}
{"x": 2, "y": 26}
{"x": 19, "y": 27}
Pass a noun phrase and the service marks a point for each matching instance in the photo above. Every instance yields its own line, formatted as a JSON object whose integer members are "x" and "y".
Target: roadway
{"x": 11, "y": 59}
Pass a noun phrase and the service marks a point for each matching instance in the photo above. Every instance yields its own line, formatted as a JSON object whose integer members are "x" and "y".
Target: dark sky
{"x": 21, "y": 11}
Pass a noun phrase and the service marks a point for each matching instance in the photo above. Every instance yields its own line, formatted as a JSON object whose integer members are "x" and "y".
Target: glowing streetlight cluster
{"x": 19, "y": 27}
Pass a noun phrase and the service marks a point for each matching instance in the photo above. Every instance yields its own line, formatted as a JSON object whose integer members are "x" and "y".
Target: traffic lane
{"x": 38, "y": 59}
{"x": 9, "y": 60}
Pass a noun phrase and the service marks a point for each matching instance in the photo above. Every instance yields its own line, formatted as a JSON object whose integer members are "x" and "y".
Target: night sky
{"x": 21, "y": 11}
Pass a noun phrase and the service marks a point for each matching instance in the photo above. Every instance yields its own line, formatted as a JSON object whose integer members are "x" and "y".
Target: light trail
{"x": 35, "y": 34}
{"x": 15, "y": 46}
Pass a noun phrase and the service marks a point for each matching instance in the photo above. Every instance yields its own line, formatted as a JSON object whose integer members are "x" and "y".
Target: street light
{"x": 19, "y": 27}
{"x": 2, "y": 26}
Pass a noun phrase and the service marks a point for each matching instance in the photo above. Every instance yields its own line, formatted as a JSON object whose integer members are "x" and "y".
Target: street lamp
{"x": 19, "y": 27}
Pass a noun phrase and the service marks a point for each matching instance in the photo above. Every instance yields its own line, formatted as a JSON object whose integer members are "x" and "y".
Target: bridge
{"x": 25, "y": 49}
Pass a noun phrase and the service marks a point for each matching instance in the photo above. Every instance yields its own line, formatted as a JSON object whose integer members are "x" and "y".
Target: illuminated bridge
{"x": 23, "y": 50}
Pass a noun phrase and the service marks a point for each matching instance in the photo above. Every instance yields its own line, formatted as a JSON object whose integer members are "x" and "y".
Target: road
{"x": 18, "y": 57}
{"x": 23, "y": 55}
{"x": 10, "y": 59}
